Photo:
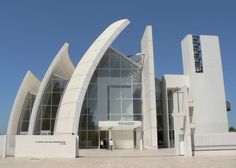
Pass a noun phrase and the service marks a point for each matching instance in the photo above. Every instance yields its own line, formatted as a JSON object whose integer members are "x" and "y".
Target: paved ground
{"x": 124, "y": 159}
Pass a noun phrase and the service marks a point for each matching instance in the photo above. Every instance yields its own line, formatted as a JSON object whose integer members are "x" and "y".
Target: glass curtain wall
{"x": 49, "y": 104}
{"x": 160, "y": 115}
{"x": 114, "y": 94}
{"x": 23, "y": 123}
{"x": 171, "y": 120}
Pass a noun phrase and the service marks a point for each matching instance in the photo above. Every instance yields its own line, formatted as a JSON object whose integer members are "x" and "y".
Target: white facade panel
{"x": 215, "y": 144}
{"x": 39, "y": 146}
{"x": 176, "y": 81}
{"x": 2, "y": 145}
{"x": 123, "y": 139}
{"x": 220, "y": 139}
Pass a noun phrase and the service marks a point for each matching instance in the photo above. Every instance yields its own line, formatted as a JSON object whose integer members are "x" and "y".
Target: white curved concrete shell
{"x": 61, "y": 66}
{"x": 30, "y": 84}
{"x": 71, "y": 104}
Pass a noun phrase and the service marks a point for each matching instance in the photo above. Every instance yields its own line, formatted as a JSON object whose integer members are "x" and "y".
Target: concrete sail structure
{"x": 61, "y": 67}
{"x": 29, "y": 86}
{"x": 71, "y": 105}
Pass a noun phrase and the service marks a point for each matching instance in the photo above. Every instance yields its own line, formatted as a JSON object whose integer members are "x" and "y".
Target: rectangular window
{"x": 197, "y": 54}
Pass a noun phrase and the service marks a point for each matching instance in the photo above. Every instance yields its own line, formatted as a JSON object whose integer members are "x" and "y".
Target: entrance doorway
{"x": 124, "y": 134}
{"x": 104, "y": 139}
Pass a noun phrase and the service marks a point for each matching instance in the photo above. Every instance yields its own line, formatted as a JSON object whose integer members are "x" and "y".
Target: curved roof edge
{"x": 71, "y": 105}
{"x": 62, "y": 66}
{"x": 30, "y": 83}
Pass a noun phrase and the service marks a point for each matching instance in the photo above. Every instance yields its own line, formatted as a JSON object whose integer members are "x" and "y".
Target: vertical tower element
{"x": 148, "y": 91}
{"x": 202, "y": 63}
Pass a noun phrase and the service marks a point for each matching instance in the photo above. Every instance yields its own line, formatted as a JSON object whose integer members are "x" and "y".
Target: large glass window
{"x": 160, "y": 114}
{"x": 114, "y": 94}
{"x": 49, "y": 105}
{"x": 23, "y": 123}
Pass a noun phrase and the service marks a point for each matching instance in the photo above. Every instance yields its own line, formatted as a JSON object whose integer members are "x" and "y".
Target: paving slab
{"x": 123, "y": 159}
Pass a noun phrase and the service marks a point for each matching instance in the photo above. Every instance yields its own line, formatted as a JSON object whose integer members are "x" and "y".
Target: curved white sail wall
{"x": 61, "y": 66}
{"x": 30, "y": 84}
{"x": 71, "y": 104}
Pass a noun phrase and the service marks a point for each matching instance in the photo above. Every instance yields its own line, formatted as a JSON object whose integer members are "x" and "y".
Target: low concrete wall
{"x": 2, "y": 145}
{"x": 220, "y": 144}
{"x": 39, "y": 146}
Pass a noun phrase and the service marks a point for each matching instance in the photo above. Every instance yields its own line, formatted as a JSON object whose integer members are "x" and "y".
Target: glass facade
{"x": 160, "y": 114}
{"x": 197, "y": 54}
{"x": 114, "y": 94}
{"x": 171, "y": 119}
{"x": 49, "y": 104}
{"x": 23, "y": 123}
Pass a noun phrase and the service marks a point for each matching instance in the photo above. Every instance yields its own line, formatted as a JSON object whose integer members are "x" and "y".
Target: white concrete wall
{"x": 123, "y": 139}
{"x": 182, "y": 122}
{"x": 38, "y": 146}
{"x": 211, "y": 144}
{"x": 2, "y": 145}
{"x": 215, "y": 139}
{"x": 171, "y": 82}
{"x": 207, "y": 88}
{"x": 148, "y": 91}
{"x": 176, "y": 81}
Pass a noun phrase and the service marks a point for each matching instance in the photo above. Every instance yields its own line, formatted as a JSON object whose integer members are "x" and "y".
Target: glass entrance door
{"x": 104, "y": 139}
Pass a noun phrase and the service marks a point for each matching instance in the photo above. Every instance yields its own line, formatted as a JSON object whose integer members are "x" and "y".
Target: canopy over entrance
{"x": 119, "y": 125}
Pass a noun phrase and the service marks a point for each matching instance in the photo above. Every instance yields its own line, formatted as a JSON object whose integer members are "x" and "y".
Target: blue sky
{"x": 31, "y": 33}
